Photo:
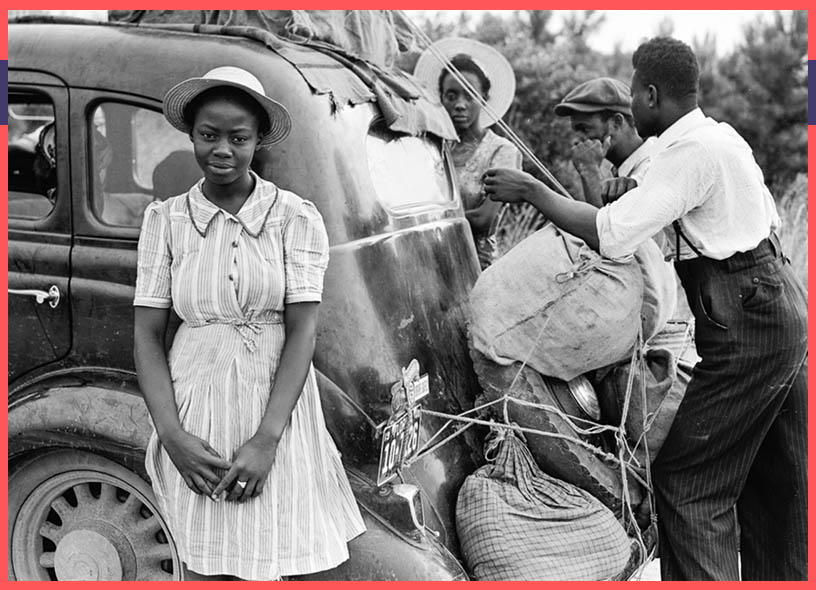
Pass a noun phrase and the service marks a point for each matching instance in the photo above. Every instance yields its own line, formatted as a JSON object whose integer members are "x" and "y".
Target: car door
{"x": 39, "y": 222}
{"x": 130, "y": 156}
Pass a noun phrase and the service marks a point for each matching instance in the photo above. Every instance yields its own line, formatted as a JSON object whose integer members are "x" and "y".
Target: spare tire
{"x": 564, "y": 459}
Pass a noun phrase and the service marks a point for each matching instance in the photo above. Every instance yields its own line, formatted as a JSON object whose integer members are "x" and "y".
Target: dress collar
{"x": 252, "y": 214}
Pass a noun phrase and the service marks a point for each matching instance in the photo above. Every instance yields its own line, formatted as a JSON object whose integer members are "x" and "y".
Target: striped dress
{"x": 228, "y": 278}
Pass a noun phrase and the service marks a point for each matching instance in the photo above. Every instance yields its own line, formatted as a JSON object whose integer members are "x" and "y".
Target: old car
{"x": 88, "y": 150}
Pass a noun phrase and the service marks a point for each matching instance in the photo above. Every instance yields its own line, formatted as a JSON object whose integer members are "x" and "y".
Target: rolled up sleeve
{"x": 631, "y": 220}
{"x": 677, "y": 182}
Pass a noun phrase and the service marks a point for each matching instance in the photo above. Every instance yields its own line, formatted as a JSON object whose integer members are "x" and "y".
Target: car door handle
{"x": 52, "y": 297}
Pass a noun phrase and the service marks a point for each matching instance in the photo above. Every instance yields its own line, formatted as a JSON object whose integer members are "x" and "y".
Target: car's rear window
{"x": 408, "y": 172}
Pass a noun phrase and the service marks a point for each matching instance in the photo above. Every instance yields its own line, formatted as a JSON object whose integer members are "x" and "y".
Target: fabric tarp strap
{"x": 377, "y": 36}
{"x": 328, "y": 69}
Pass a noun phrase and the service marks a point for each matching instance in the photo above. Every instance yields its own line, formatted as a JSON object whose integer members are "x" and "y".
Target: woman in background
{"x": 478, "y": 149}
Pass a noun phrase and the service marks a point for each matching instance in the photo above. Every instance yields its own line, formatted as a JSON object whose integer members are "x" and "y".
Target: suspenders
{"x": 679, "y": 234}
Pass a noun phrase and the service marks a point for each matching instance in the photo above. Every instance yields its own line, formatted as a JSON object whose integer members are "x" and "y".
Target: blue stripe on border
{"x": 811, "y": 94}
{"x": 4, "y": 120}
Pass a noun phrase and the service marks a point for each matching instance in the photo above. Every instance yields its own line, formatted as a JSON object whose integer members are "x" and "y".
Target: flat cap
{"x": 599, "y": 94}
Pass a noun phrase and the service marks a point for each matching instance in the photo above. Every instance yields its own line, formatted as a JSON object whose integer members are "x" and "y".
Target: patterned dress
{"x": 228, "y": 278}
{"x": 492, "y": 152}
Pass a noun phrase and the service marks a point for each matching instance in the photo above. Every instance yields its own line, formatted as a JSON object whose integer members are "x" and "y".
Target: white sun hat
{"x": 180, "y": 95}
{"x": 494, "y": 65}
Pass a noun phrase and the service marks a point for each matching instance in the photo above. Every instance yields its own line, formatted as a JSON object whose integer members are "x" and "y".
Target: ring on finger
{"x": 241, "y": 484}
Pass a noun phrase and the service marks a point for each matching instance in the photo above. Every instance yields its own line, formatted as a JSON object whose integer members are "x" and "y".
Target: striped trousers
{"x": 735, "y": 461}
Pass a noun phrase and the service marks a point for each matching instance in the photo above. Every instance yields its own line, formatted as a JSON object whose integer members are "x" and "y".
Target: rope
{"x": 477, "y": 96}
{"x": 604, "y": 455}
{"x": 635, "y": 362}
{"x": 625, "y": 459}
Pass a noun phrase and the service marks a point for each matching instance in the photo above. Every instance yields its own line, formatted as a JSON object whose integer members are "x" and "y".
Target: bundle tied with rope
{"x": 517, "y": 523}
{"x": 620, "y": 480}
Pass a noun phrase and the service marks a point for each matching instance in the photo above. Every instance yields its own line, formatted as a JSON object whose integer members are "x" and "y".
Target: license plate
{"x": 400, "y": 441}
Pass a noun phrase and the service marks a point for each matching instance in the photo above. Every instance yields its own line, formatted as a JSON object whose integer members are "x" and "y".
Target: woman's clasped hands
{"x": 199, "y": 465}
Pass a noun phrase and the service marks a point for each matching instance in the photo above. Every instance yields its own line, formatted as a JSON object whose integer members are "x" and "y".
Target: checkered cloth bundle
{"x": 517, "y": 523}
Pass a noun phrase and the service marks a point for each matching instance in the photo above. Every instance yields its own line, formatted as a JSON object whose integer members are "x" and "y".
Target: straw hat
{"x": 494, "y": 65}
{"x": 180, "y": 95}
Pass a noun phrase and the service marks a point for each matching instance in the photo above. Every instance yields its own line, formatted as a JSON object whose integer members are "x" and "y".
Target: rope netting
{"x": 623, "y": 459}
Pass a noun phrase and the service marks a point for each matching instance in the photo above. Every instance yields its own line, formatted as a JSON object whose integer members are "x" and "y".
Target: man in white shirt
{"x": 601, "y": 116}
{"x": 740, "y": 435}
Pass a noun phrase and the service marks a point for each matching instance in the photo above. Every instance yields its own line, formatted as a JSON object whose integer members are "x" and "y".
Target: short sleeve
{"x": 305, "y": 254}
{"x": 154, "y": 259}
{"x": 506, "y": 156}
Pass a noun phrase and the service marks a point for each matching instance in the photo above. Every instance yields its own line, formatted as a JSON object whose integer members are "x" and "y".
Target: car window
{"x": 32, "y": 155}
{"x": 407, "y": 171}
{"x": 136, "y": 158}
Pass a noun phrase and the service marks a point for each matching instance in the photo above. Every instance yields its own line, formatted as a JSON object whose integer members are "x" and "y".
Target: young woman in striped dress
{"x": 244, "y": 470}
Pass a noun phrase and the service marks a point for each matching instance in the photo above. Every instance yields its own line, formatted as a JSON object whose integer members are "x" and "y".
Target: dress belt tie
{"x": 247, "y": 328}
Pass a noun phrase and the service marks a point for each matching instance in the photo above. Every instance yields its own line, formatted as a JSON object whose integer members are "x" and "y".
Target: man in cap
{"x": 601, "y": 116}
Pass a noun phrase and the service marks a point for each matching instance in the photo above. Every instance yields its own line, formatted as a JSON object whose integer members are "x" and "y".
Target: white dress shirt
{"x": 704, "y": 174}
{"x": 636, "y": 165}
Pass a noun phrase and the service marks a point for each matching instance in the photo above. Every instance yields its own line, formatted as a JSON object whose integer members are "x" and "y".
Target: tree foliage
{"x": 761, "y": 89}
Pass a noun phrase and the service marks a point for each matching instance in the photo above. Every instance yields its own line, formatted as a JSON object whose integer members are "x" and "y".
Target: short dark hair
{"x": 233, "y": 94}
{"x": 464, "y": 63}
{"x": 669, "y": 64}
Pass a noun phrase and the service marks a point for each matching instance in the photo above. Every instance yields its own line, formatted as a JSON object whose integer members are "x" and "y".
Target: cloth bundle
{"x": 659, "y": 289}
{"x": 646, "y": 425}
{"x": 557, "y": 305}
{"x": 516, "y": 523}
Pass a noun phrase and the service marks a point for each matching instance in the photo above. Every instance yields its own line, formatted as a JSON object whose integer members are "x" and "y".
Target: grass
{"x": 793, "y": 210}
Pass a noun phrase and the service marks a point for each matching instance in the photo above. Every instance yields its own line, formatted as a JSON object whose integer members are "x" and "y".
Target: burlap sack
{"x": 659, "y": 289}
{"x": 558, "y": 305}
{"x": 646, "y": 425}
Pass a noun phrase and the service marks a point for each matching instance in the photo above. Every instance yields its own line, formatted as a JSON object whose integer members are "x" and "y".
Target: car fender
{"x": 98, "y": 411}
{"x": 380, "y": 555}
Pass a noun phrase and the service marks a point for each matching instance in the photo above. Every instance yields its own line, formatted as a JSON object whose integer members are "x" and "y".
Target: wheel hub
{"x": 87, "y": 555}
{"x": 80, "y": 524}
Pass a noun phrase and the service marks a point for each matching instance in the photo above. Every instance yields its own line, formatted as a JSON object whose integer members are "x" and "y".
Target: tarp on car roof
{"x": 348, "y": 57}
{"x": 376, "y": 36}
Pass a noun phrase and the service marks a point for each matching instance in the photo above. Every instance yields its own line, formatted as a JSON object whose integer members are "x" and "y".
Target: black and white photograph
{"x": 407, "y": 295}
